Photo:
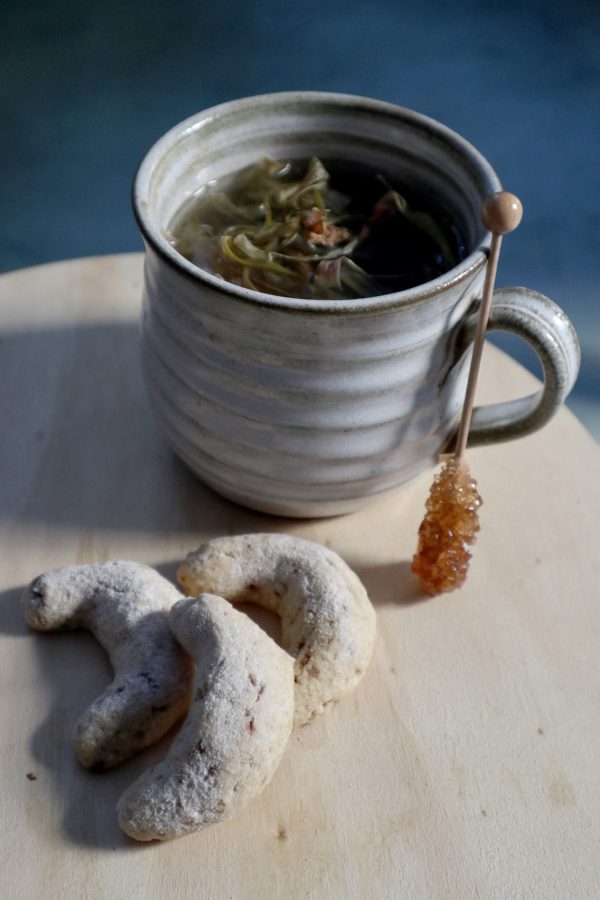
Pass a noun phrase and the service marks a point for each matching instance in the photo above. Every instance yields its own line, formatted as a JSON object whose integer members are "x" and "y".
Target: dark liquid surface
{"x": 397, "y": 250}
{"x": 397, "y": 253}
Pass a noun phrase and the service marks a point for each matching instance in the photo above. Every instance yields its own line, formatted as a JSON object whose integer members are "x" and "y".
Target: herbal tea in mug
{"x": 314, "y": 263}
{"x": 320, "y": 230}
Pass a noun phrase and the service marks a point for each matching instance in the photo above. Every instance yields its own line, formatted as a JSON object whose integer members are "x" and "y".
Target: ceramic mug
{"x": 316, "y": 407}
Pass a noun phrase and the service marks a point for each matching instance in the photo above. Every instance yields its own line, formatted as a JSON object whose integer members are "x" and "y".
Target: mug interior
{"x": 405, "y": 147}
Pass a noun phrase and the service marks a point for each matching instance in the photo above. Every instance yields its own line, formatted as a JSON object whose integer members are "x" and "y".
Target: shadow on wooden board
{"x": 82, "y": 446}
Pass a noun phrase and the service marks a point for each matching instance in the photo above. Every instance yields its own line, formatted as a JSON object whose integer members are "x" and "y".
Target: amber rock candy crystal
{"x": 449, "y": 527}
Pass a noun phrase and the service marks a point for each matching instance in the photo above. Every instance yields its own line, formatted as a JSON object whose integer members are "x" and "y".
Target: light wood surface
{"x": 466, "y": 764}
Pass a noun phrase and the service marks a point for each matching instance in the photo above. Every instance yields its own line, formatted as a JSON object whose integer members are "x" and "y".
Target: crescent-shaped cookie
{"x": 235, "y": 733}
{"x": 126, "y": 606}
{"x": 327, "y": 620}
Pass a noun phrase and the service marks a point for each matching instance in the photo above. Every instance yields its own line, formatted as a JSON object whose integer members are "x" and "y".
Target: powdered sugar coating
{"x": 236, "y": 731}
{"x": 126, "y": 606}
{"x": 327, "y": 620}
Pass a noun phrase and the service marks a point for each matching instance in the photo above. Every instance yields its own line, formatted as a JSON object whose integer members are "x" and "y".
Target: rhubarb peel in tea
{"x": 300, "y": 228}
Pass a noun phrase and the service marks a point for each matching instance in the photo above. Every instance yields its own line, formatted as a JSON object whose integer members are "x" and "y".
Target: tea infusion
{"x": 305, "y": 229}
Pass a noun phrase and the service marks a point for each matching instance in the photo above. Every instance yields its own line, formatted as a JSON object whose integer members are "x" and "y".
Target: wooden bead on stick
{"x": 501, "y": 212}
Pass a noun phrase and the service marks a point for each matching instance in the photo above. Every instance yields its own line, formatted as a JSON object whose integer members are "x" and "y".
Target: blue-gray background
{"x": 85, "y": 88}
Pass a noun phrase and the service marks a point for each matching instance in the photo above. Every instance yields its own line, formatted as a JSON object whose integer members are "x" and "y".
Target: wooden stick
{"x": 501, "y": 213}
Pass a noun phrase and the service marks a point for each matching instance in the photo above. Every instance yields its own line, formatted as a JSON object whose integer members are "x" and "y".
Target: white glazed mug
{"x": 316, "y": 407}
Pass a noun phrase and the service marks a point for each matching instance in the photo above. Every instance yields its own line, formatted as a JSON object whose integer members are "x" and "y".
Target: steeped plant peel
{"x": 294, "y": 235}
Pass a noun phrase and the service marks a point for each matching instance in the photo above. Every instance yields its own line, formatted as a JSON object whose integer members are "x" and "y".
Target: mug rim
{"x": 153, "y": 236}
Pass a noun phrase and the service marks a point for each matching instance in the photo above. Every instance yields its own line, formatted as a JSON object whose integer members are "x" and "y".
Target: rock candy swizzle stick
{"x": 451, "y": 522}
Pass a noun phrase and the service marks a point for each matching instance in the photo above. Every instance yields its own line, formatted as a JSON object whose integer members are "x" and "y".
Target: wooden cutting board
{"x": 465, "y": 765}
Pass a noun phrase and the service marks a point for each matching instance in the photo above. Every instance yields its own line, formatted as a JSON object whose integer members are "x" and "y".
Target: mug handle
{"x": 549, "y": 331}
